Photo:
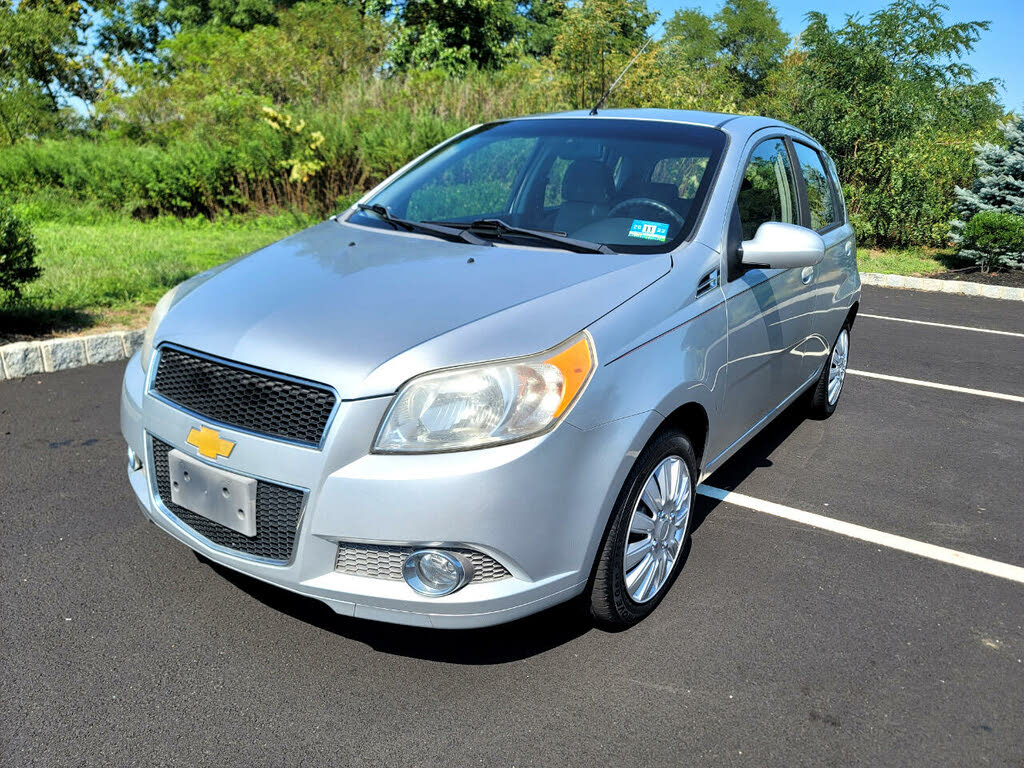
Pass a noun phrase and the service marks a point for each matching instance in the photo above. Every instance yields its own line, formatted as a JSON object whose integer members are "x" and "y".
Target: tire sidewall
{"x": 664, "y": 445}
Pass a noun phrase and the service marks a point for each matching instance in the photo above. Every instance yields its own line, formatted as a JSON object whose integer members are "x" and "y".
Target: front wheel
{"x": 642, "y": 551}
{"x": 825, "y": 395}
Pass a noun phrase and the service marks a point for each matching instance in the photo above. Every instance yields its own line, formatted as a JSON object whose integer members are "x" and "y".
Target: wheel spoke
{"x": 651, "y": 495}
{"x": 635, "y": 577}
{"x": 637, "y": 551}
{"x": 645, "y": 589}
{"x": 641, "y": 523}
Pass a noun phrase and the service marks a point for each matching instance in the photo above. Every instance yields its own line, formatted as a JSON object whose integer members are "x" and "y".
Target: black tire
{"x": 611, "y": 605}
{"x": 819, "y": 406}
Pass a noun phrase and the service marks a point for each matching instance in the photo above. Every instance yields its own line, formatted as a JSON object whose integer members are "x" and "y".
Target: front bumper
{"x": 538, "y": 507}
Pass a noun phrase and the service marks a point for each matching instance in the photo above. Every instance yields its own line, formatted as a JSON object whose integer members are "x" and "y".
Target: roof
{"x": 735, "y": 125}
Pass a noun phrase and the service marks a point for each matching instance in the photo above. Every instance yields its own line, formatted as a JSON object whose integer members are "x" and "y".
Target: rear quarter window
{"x": 821, "y": 201}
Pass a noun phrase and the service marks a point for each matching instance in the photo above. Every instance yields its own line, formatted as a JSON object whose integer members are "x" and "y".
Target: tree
{"x": 43, "y": 66}
{"x": 998, "y": 188}
{"x": 1000, "y": 182}
{"x": 894, "y": 104}
{"x": 744, "y": 38}
{"x": 17, "y": 255}
{"x": 455, "y": 34}
{"x": 597, "y": 39}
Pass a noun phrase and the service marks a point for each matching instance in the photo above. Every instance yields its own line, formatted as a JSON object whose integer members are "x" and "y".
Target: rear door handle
{"x": 807, "y": 275}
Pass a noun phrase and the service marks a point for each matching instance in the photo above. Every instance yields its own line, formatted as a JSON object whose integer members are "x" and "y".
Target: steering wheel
{"x": 651, "y": 203}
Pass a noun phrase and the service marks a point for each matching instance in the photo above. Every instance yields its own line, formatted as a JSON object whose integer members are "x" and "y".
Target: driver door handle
{"x": 806, "y": 275}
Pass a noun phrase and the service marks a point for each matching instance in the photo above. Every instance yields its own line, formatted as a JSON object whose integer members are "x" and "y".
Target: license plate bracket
{"x": 214, "y": 493}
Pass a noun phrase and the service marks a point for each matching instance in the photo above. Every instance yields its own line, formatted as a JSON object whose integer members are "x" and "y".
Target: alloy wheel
{"x": 837, "y": 366}
{"x": 657, "y": 529}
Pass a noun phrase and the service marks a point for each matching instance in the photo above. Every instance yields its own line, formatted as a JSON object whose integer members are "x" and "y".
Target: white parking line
{"x": 941, "y": 325}
{"x": 936, "y": 385}
{"x": 903, "y": 544}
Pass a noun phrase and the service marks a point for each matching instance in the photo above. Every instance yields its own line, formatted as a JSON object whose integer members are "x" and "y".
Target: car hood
{"x": 364, "y": 310}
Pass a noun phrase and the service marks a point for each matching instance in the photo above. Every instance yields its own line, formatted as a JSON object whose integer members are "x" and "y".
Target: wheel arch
{"x": 852, "y": 314}
{"x": 692, "y": 420}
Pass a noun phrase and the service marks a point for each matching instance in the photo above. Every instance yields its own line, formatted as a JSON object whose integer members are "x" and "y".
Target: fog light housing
{"x": 435, "y": 573}
{"x": 134, "y": 462}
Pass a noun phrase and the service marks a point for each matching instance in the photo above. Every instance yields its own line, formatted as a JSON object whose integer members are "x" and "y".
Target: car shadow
{"x": 516, "y": 640}
{"x": 501, "y": 644}
{"x": 754, "y": 455}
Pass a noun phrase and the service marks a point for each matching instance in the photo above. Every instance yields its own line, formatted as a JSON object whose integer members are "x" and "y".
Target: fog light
{"x": 434, "y": 573}
{"x": 134, "y": 462}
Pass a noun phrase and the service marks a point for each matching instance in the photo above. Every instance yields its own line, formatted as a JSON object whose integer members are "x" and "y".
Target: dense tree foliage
{"x": 17, "y": 255}
{"x": 162, "y": 105}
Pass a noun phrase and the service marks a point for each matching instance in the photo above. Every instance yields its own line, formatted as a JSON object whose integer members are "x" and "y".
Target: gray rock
{"x": 132, "y": 341}
{"x": 61, "y": 354}
{"x": 22, "y": 359}
{"x": 104, "y": 347}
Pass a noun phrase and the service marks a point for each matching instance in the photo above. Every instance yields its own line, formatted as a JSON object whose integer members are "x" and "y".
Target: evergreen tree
{"x": 1000, "y": 182}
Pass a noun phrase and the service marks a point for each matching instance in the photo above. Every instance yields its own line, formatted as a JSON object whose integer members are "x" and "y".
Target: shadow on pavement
{"x": 504, "y": 643}
{"x": 516, "y": 640}
{"x": 754, "y": 455}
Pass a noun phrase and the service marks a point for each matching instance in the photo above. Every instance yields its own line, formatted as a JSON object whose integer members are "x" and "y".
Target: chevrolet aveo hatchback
{"x": 494, "y": 384}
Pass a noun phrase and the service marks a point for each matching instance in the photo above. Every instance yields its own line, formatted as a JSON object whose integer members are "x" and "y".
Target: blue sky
{"x": 997, "y": 54}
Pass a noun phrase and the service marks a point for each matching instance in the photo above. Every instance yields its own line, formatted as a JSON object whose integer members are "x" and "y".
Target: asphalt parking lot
{"x": 782, "y": 643}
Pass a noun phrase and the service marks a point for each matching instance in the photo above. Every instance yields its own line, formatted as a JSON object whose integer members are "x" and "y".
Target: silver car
{"x": 494, "y": 383}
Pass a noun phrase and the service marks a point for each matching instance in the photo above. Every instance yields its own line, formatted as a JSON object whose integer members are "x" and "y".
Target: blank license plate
{"x": 216, "y": 494}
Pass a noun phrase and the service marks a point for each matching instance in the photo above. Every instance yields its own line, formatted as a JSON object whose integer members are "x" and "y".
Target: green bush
{"x": 994, "y": 239}
{"x": 17, "y": 255}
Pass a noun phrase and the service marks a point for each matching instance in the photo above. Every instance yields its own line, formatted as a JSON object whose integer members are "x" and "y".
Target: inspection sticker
{"x": 649, "y": 230}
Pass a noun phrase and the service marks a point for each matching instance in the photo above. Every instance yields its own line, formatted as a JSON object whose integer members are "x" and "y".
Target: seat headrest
{"x": 588, "y": 181}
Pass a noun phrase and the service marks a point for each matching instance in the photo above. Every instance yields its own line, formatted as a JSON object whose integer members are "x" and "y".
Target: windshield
{"x": 636, "y": 186}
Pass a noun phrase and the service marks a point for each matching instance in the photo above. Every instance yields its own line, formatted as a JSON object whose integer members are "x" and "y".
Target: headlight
{"x": 487, "y": 404}
{"x": 159, "y": 313}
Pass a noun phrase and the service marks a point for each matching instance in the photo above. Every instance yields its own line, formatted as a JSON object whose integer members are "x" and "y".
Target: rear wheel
{"x": 825, "y": 395}
{"x": 643, "y": 548}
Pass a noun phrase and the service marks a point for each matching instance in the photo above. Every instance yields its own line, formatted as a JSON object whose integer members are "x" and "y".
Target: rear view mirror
{"x": 781, "y": 246}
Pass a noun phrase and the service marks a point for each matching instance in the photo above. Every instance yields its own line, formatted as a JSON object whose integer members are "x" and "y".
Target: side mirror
{"x": 781, "y": 246}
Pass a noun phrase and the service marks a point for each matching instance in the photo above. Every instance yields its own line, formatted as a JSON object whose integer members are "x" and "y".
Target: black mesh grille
{"x": 277, "y": 515}
{"x": 258, "y": 402}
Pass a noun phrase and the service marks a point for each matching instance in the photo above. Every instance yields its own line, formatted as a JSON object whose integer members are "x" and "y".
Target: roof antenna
{"x": 600, "y": 102}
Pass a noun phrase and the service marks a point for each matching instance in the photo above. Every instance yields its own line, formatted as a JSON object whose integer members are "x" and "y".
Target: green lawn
{"x": 109, "y": 274}
{"x": 911, "y": 261}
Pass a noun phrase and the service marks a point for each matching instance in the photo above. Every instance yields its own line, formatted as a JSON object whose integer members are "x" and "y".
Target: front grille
{"x": 277, "y": 515}
{"x": 258, "y": 402}
{"x": 377, "y": 561}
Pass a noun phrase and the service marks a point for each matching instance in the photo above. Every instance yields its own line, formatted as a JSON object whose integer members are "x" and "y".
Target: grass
{"x": 110, "y": 273}
{"x": 910, "y": 261}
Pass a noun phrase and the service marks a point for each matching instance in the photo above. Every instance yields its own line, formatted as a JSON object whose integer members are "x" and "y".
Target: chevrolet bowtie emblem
{"x": 209, "y": 443}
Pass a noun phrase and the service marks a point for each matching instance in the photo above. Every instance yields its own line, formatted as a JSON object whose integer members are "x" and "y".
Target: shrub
{"x": 17, "y": 255}
{"x": 994, "y": 239}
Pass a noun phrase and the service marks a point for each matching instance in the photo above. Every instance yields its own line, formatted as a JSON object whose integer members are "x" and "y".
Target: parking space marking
{"x": 936, "y": 385}
{"x": 901, "y": 543}
{"x": 941, "y": 325}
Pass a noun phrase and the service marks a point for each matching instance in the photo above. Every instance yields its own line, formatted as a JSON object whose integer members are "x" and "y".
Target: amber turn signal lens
{"x": 575, "y": 363}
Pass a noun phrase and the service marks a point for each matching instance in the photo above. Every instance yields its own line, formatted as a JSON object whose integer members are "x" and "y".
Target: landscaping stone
{"x": 104, "y": 348}
{"x": 61, "y": 354}
{"x": 22, "y": 358}
{"x": 132, "y": 341}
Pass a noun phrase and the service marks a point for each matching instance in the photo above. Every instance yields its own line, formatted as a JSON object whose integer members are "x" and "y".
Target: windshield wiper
{"x": 427, "y": 228}
{"x": 499, "y": 228}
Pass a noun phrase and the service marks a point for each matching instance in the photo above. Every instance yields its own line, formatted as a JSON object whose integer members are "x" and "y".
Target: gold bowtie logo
{"x": 209, "y": 443}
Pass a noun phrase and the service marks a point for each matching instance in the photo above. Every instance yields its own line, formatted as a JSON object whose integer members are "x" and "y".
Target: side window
{"x": 819, "y": 190}
{"x": 768, "y": 192}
